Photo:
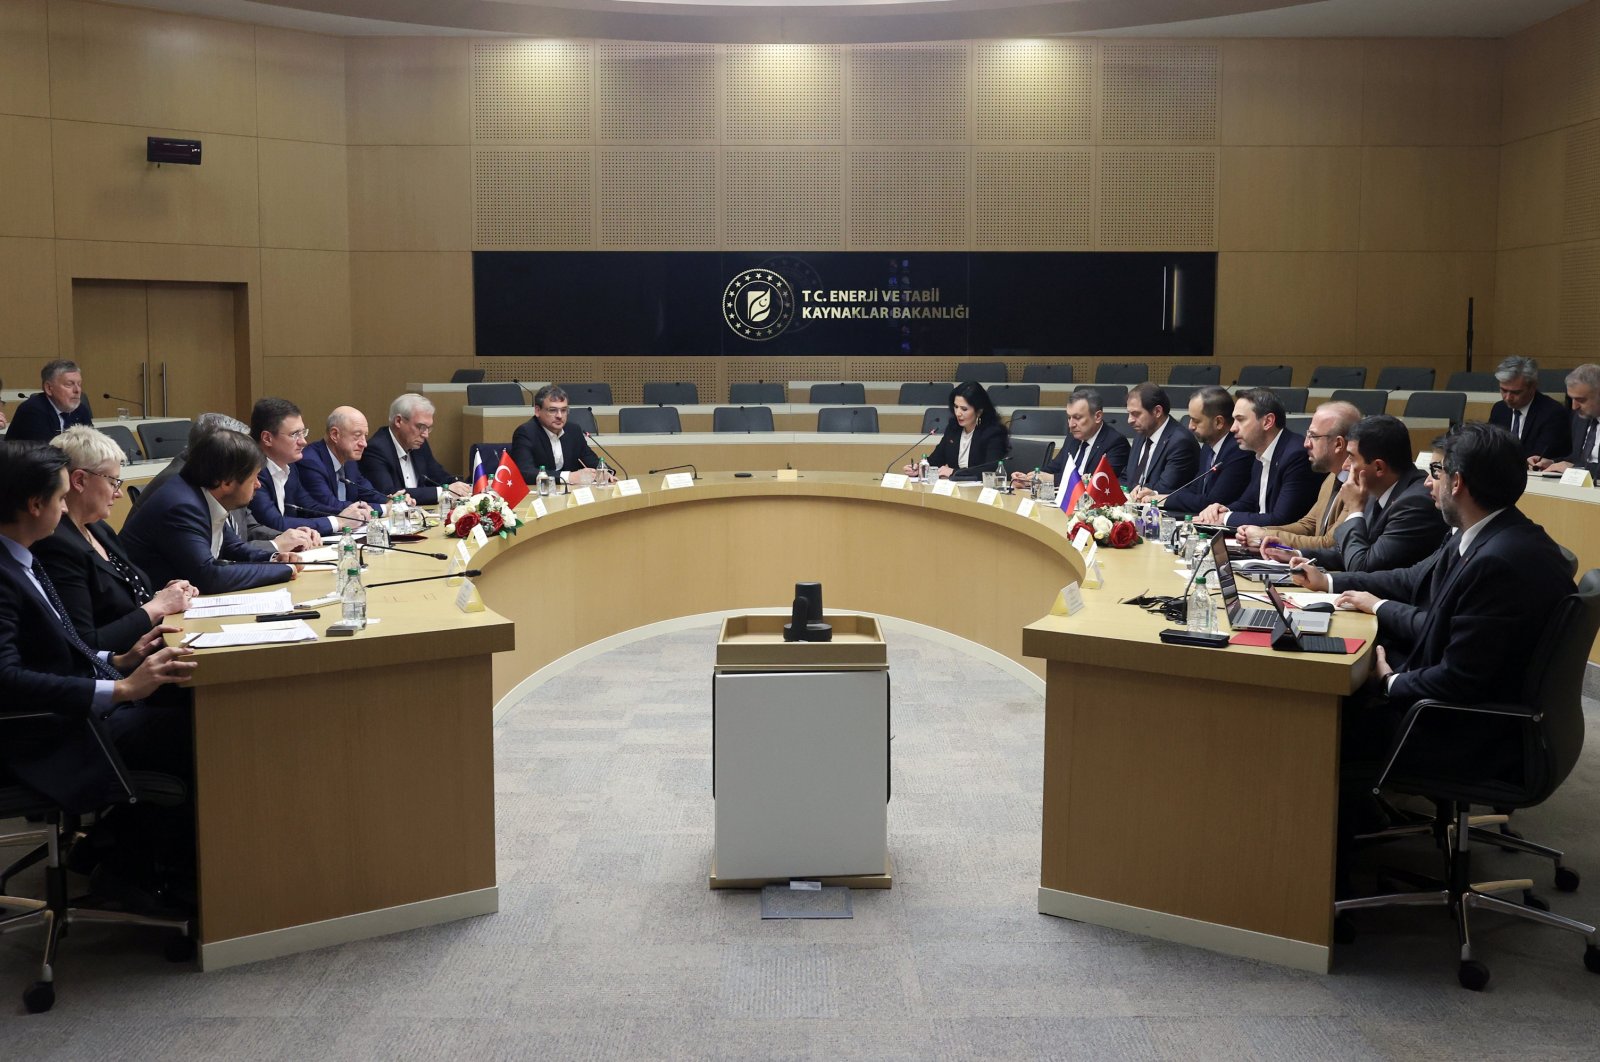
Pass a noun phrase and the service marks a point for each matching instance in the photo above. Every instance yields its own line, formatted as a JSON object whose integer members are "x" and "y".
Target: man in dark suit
{"x": 1328, "y": 448}
{"x": 1391, "y": 519}
{"x": 1165, "y": 456}
{"x": 330, "y": 474}
{"x": 1282, "y": 486}
{"x": 45, "y": 664}
{"x": 59, "y": 406}
{"x": 1089, "y": 438}
{"x": 182, "y": 532}
{"x": 549, "y": 442}
{"x": 398, "y": 457}
{"x": 1223, "y": 468}
{"x": 1583, "y": 391}
{"x": 280, "y": 501}
{"x": 1537, "y": 421}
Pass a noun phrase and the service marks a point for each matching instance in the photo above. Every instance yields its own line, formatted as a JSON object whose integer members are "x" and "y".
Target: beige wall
{"x": 1358, "y": 192}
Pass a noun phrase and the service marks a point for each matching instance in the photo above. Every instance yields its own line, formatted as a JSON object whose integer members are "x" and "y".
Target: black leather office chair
{"x": 1014, "y": 394}
{"x": 1179, "y": 395}
{"x": 924, "y": 394}
{"x": 1112, "y": 396}
{"x": 1552, "y": 382}
{"x": 1353, "y": 377}
{"x": 1047, "y": 374}
{"x": 1121, "y": 372}
{"x": 644, "y": 420}
{"x": 759, "y": 393}
{"x": 1294, "y": 399}
{"x": 133, "y": 493}
{"x": 122, "y": 435}
{"x": 984, "y": 372}
{"x": 1474, "y": 382}
{"x": 935, "y": 418}
{"x": 1029, "y": 454}
{"x": 1528, "y": 750}
{"x": 1273, "y": 376}
{"x": 1118, "y": 419}
{"x": 1449, "y": 404}
{"x": 164, "y": 439}
{"x": 467, "y": 376}
{"x": 1194, "y": 375}
{"x": 496, "y": 394}
{"x": 588, "y": 394}
{"x": 741, "y": 419}
{"x": 1298, "y": 423}
{"x": 850, "y": 394}
{"x": 583, "y": 417}
{"x": 57, "y": 831}
{"x": 1370, "y": 401}
{"x": 1405, "y": 378}
{"x": 683, "y": 393}
{"x": 1045, "y": 423}
{"x": 848, "y": 419}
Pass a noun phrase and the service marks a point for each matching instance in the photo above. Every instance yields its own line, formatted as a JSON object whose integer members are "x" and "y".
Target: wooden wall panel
{"x": 1416, "y": 304}
{"x": 318, "y": 384}
{"x": 1429, "y": 198}
{"x": 1291, "y": 92}
{"x": 1531, "y": 180}
{"x": 134, "y": 67}
{"x": 105, "y": 190}
{"x": 27, "y": 302}
{"x": 411, "y": 198}
{"x": 1527, "y": 300}
{"x": 24, "y": 58}
{"x": 1289, "y": 198}
{"x": 300, "y": 92}
{"x": 305, "y": 303}
{"x": 1535, "y": 92}
{"x": 411, "y": 303}
{"x": 1286, "y": 308}
{"x": 1431, "y": 92}
{"x": 304, "y": 202}
{"x": 408, "y": 90}
{"x": 25, "y": 193}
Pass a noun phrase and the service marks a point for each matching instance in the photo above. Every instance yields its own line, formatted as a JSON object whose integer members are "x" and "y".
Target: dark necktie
{"x": 102, "y": 669}
{"x": 1144, "y": 462}
{"x": 1516, "y": 423}
{"x": 1588, "y": 442}
{"x": 338, "y": 478}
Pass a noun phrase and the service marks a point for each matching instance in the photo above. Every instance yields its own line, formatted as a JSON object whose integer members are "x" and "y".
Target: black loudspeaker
{"x": 160, "y": 149}
{"x": 805, "y": 619}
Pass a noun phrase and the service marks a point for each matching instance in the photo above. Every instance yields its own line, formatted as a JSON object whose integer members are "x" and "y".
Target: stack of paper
{"x": 239, "y": 605}
{"x": 254, "y": 634}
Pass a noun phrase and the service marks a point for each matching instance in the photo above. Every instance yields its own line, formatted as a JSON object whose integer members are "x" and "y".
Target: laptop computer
{"x": 1241, "y": 618}
{"x": 1302, "y": 640}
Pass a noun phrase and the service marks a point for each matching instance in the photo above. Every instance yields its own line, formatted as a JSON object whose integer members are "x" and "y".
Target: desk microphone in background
{"x": 413, "y": 552}
{"x": 470, "y": 573}
{"x": 531, "y": 392}
{"x": 675, "y": 468}
{"x": 1192, "y": 482}
{"x": 910, "y": 448}
{"x": 119, "y": 398}
{"x": 614, "y": 462}
{"x": 303, "y": 511}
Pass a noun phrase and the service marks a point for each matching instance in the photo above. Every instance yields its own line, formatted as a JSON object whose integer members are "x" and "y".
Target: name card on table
{"x": 1085, "y": 544}
{"x": 467, "y": 599}
{"x": 1577, "y": 477}
{"x": 944, "y": 488}
{"x": 895, "y": 481}
{"x": 1068, "y": 601}
{"x": 540, "y": 509}
{"x": 678, "y": 480}
{"x": 788, "y": 475}
{"x": 463, "y": 554}
{"x": 1025, "y": 508}
{"x": 988, "y": 496}
{"x": 479, "y": 538}
{"x": 583, "y": 496}
{"x": 627, "y": 488}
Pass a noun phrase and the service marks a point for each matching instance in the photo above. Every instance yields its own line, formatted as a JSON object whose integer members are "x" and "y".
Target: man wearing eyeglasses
{"x": 1583, "y": 391}
{"x": 1537, "y": 421}
{"x": 398, "y": 456}
{"x": 1327, "y": 447}
{"x": 280, "y": 501}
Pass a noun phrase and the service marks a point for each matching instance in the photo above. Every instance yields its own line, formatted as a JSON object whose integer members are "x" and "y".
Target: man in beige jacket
{"x": 1327, "y": 448}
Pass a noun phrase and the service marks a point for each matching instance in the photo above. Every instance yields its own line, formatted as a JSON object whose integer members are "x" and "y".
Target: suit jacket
{"x": 317, "y": 479}
{"x": 1291, "y": 486}
{"x": 264, "y": 504}
{"x": 1315, "y": 529}
{"x": 1546, "y": 426}
{"x": 1173, "y": 463}
{"x": 1575, "y": 454}
{"x": 1397, "y": 535}
{"x": 381, "y": 465}
{"x": 1109, "y": 443}
{"x": 1233, "y": 466}
{"x": 243, "y": 522}
{"x": 530, "y": 449}
{"x": 36, "y": 419}
{"x": 170, "y": 538}
{"x": 102, "y": 608}
{"x": 1406, "y": 593}
{"x": 990, "y": 444}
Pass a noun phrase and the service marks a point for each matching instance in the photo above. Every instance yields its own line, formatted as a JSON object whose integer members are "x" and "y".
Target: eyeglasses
{"x": 299, "y": 436}
{"x": 1435, "y": 469}
{"x": 1314, "y": 436}
{"x": 116, "y": 484}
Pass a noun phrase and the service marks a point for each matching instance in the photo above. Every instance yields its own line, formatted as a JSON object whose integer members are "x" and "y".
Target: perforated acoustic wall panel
{"x": 1580, "y": 199}
{"x": 1033, "y": 200}
{"x": 657, "y": 199}
{"x": 627, "y": 377}
{"x": 908, "y": 199}
{"x": 1579, "y": 331}
{"x": 531, "y": 90}
{"x": 908, "y": 92}
{"x": 784, "y": 197}
{"x": 1033, "y": 90}
{"x": 784, "y": 92}
{"x": 662, "y": 92}
{"x": 1163, "y": 93}
{"x": 1158, "y": 199}
{"x": 533, "y": 198}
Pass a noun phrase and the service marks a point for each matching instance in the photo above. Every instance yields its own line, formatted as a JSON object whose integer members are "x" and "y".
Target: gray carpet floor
{"x": 608, "y": 943}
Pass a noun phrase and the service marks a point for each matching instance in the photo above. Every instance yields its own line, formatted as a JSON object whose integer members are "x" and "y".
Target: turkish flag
{"x": 1103, "y": 486}
{"x": 508, "y": 481}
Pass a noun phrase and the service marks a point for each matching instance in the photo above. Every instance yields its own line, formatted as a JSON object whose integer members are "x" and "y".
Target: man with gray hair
{"x": 398, "y": 456}
{"x": 59, "y": 406}
{"x": 329, "y": 471}
{"x": 1583, "y": 391}
{"x": 1538, "y": 422}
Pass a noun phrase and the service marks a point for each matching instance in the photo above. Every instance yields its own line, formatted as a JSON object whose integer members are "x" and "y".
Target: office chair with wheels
{"x": 935, "y": 418}
{"x": 1121, "y": 372}
{"x": 1014, "y": 394}
{"x": 1112, "y": 396}
{"x": 923, "y": 394}
{"x": 1352, "y": 377}
{"x": 1194, "y": 375}
{"x": 850, "y": 394}
{"x": 757, "y": 394}
{"x": 1543, "y": 735}
{"x": 1371, "y": 402}
{"x": 1048, "y": 423}
{"x": 133, "y": 493}
{"x": 1029, "y": 454}
{"x": 741, "y": 419}
{"x": 1179, "y": 395}
{"x": 1299, "y": 423}
{"x": 164, "y": 439}
{"x": 1451, "y": 405}
{"x": 123, "y": 437}
{"x": 1047, "y": 374}
{"x": 1552, "y": 382}
{"x": 1405, "y": 378}
{"x": 1273, "y": 376}
{"x": 1294, "y": 399}
{"x": 984, "y": 372}
{"x": 467, "y": 376}
{"x": 1476, "y": 382}
{"x": 588, "y": 394}
{"x": 1118, "y": 419}
{"x": 583, "y": 417}
{"x": 496, "y": 394}
{"x": 671, "y": 394}
{"x": 637, "y": 420}
{"x": 848, "y": 419}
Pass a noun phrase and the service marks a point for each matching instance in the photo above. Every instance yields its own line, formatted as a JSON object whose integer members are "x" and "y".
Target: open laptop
{"x": 1303, "y": 639}
{"x": 1241, "y": 618}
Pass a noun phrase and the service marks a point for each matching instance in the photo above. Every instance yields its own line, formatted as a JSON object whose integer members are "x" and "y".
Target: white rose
{"x": 1102, "y": 527}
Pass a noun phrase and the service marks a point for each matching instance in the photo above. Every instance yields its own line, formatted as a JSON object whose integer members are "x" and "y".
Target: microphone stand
{"x": 615, "y": 463}
{"x": 470, "y": 573}
{"x": 674, "y": 468}
{"x": 910, "y": 448}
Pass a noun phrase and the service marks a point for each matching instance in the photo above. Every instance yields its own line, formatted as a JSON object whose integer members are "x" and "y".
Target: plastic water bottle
{"x": 347, "y": 557}
{"x": 353, "y": 598}
{"x": 925, "y": 472}
{"x": 600, "y": 473}
{"x": 542, "y": 483}
{"x": 1033, "y": 485}
{"x": 1001, "y": 478}
{"x": 1202, "y": 616}
{"x": 1167, "y": 524}
{"x": 1199, "y": 552}
{"x": 1188, "y": 542}
{"x": 378, "y": 528}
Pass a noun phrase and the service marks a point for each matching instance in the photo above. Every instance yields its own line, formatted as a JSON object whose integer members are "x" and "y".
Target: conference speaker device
{"x": 159, "y": 149}
{"x": 805, "y": 619}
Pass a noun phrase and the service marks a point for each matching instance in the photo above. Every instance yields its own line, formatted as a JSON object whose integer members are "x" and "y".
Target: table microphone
{"x": 524, "y": 387}
{"x": 674, "y": 468}
{"x": 413, "y": 552}
{"x": 119, "y": 398}
{"x": 910, "y": 448}
{"x": 470, "y": 573}
{"x": 303, "y": 511}
{"x": 614, "y": 462}
{"x": 1191, "y": 483}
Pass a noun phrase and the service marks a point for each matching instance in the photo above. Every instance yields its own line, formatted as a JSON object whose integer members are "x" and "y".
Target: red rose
{"x": 1079, "y": 525}
{"x": 465, "y": 525}
{"x": 495, "y": 522}
{"x": 1123, "y": 535}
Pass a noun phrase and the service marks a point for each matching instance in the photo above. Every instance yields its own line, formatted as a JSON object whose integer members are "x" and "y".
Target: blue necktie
{"x": 101, "y": 668}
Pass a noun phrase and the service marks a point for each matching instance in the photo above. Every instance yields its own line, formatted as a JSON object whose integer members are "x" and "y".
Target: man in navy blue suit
{"x": 1282, "y": 485}
{"x": 280, "y": 501}
{"x": 398, "y": 457}
{"x": 1537, "y": 421}
{"x": 183, "y": 532}
{"x": 1165, "y": 456}
{"x": 1583, "y": 391}
{"x": 330, "y": 472}
{"x": 1223, "y": 468}
{"x": 1089, "y": 438}
{"x": 58, "y": 407}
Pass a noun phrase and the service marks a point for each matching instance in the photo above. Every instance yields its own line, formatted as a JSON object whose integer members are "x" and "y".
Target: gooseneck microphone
{"x": 470, "y": 573}
{"x": 614, "y": 462}
{"x": 1192, "y": 482}
{"x": 303, "y": 511}
{"x": 674, "y": 468}
{"x": 524, "y": 387}
{"x": 119, "y": 398}
{"x": 910, "y": 448}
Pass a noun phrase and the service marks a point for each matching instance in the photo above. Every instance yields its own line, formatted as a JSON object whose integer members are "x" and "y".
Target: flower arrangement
{"x": 487, "y": 509}
{"x": 1116, "y": 526}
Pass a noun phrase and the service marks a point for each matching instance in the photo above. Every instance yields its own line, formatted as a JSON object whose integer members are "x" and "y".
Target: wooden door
{"x": 111, "y": 343}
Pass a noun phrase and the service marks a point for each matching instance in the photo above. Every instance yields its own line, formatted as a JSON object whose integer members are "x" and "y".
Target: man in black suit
{"x": 58, "y": 407}
{"x": 549, "y": 442}
{"x": 1391, "y": 519}
{"x": 1282, "y": 486}
{"x": 1537, "y": 421}
{"x": 398, "y": 456}
{"x": 1583, "y": 391}
{"x": 1089, "y": 438}
{"x": 1166, "y": 455}
{"x": 45, "y": 664}
{"x": 1223, "y": 468}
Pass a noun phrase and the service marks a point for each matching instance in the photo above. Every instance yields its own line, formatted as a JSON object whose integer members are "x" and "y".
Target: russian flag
{"x": 480, "y": 480}
{"x": 1072, "y": 490}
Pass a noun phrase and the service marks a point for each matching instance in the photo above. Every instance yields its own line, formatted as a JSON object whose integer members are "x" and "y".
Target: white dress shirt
{"x": 280, "y": 482}
{"x": 1085, "y": 451}
{"x": 408, "y": 474}
{"x": 1150, "y": 449}
{"x": 1265, "y": 457}
{"x": 556, "y": 455}
{"x": 219, "y": 520}
{"x": 963, "y": 454}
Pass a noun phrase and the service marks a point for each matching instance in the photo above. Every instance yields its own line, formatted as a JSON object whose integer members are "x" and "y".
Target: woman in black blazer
{"x": 107, "y": 596}
{"x": 975, "y": 441}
